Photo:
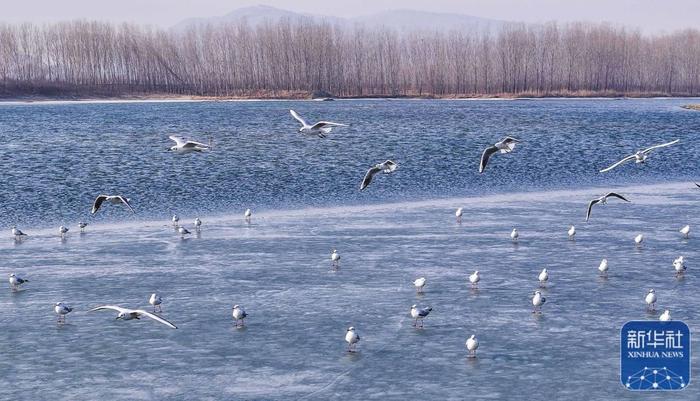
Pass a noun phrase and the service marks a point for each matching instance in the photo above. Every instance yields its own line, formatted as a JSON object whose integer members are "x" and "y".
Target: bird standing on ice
{"x": 247, "y": 215}
{"x": 685, "y": 231}
{"x": 638, "y": 239}
{"x": 514, "y": 235}
{"x": 352, "y": 338}
{"x": 679, "y": 265}
{"x": 16, "y": 282}
{"x": 650, "y": 299}
{"x": 62, "y": 310}
{"x": 458, "y": 214}
{"x": 156, "y": 301}
{"x": 320, "y": 129}
{"x": 571, "y": 232}
{"x": 506, "y": 145}
{"x": 543, "y": 277}
{"x": 197, "y": 224}
{"x": 603, "y": 267}
{"x": 537, "y": 301}
{"x": 335, "y": 259}
{"x": 474, "y": 278}
{"x": 238, "y": 315}
{"x": 82, "y": 226}
{"x": 419, "y": 283}
{"x": 472, "y": 344}
{"x": 419, "y": 314}
{"x": 175, "y": 220}
{"x": 183, "y": 231}
{"x": 62, "y": 231}
{"x": 666, "y": 316}
{"x": 17, "y": 233}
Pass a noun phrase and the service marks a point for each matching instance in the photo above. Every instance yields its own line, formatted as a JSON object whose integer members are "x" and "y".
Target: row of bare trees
{"x": 285, "y": 57}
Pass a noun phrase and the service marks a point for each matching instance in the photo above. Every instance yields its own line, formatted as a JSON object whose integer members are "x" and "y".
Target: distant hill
{"x": 401, "y": 20}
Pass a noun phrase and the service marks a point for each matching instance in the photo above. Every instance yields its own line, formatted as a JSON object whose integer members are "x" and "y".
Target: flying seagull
{"x": 129, "y": 314}
{"x": 640, "y": 156}
{"x": 506, "y": 145}
{"x": 602, "y": 200}
{"x": 113, "y": 199}
{"x": 185, "y": 146}
{"x": 321, "y": 128}
{"x": 387, "y": 167}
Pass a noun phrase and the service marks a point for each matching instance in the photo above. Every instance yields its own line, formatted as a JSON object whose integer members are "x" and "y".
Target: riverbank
{"x": 692, "y": 107}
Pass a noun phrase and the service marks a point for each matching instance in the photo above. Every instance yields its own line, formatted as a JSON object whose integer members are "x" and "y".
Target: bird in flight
{"x": 113, "y": 199}
{"x": 387, "y": 167}
{"x": 640, "y": 156}
{"x": 184, "y": 146}
{"x": 129, "y": 314}
{"x": 321, "y": 128}
{"x": 506, "y": 145}
{"x": 602, "y": 200}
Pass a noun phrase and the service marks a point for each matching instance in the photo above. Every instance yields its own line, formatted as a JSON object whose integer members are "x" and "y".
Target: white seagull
{"x": 685, "y": 231}
{"x": 16, "y": 282}
{"x": 571, "y": 232}
{"x": 419, "y": 283}
{"x": 514, "y": 235}
{"x": 352, "y": 338}
{"x": 197, "y": 224}
{"x": 129, "y": 314}
{"x": 62, "y": 230}
{"x": 543, "y": 277}
{"x": 638, "y": 239}
{"x": 458, "y": 214}
{"x": 183, "y": 231}
{"x": 238, "y": 315}
{"x": 640, "y": 156}
{"x": 506, "y": 145}
{"x": 82, "y": 226}
{"x": 247, "y": 215}
{"x": 62, "y": 310}
{"x": 184, "y": 146}
{"x": 113, "y": 199}
{"x": 474, "y": 278}
{"x": 156, "y": 301}
{"x": 335, "y": 259}
{"x": 650, "y": 299}
{"x": 386, "y": 167}
{"x": 666, "y": 316}
{"x": 679, "y": 265}
{"x": 602, "y": 200}
{"x": 537, "y": 301}
{"x": 419, "y": 314}
{"x": 175, "y": 219}
{"x": 603, "y": 267}
{"x": 17, "y": 233}
{"x": 472, "y": 344}
{"x": 321, "y": 128}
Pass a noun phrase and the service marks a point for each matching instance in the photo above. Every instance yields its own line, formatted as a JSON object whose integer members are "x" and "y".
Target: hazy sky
{"x": 650, "y": 15}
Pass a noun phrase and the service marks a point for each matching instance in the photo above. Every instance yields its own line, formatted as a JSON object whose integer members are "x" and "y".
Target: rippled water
{"x": 305, "y": 200}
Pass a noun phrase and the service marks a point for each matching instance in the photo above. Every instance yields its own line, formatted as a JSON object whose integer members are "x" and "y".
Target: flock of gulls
{"x": 321, "y": 129}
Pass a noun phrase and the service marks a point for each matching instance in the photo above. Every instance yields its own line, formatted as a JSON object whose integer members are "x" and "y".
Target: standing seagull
{"x": 321, "y": 128}
{"x": 387, "y": 167}
{"x": 472, "y": 344}
{"x": 638, "y": 239}
{"x": 543, "y": 277}
{"x": 238, "y": 315}
{"x": 514, "y": 235}
{"x": 571, "y": 232}
{"x": 603, "y": 267}
{"x": 62, "y": 310}
{"x": 16, "y": 282}
{"x": 537, "y": 301}
{"x": 679, "y": 265}
{"x": 458, "y": 214}
{"x": 185, "y": 146}
{"x": 474, "y": 278}
{"x": 506, "y": 145}
{"x": 419, "y": 283}
{"x": 130, "y": 314}
{"x": 176, "y": 220}
{"x": 63, "y": 230}
{"x": 155, "y": 300}
{"x": 650, "y": 299}
{"x": 183, "y": 231}
{"x": 419, "y": 314}
{"x": 335, "y": 259}
{"x": 197, "y": 224}
{"x": 247, "y": 215}
{"x": 640, "y": 156}
{"x": 685, "y": 231}
{"x": 602, "y": 200}
{"x": 352, "y": 338}
{"x": 17, "y": 233}
{"x": 82, "y": 226}
{"x": 113, "y": 199}
{"x": 666, "y": 316}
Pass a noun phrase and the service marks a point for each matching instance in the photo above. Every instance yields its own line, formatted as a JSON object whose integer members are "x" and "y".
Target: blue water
{"x": 305, "y": 198}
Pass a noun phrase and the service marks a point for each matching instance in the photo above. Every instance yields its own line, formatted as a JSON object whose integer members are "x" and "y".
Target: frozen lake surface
{"x": 402, "y": 228}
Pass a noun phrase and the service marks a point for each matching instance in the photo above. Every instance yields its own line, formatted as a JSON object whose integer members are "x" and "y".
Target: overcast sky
{"x": 650, "y": 15}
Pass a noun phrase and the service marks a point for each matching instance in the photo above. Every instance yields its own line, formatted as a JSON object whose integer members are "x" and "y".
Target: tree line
{"x": 289, "y": 58}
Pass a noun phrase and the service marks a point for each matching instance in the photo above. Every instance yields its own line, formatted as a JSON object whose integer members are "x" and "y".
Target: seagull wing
{"x": 368, "y": 177}
{"x": 322, "y": 124}
{"x": 98, "y": 202}
{"x": 390, "y": 166}
{"x": 613, "y": 194}
{"x": 663, "y": 145}
{"x": 590, "y": 206}
{"x": 485, "y": 157}
{"x": 626, "y": 159}
{"x": 126, "y": 202}
{"x": 110, "y": 307}
{"x": 179, "y": 141}
{"x": 193, "y": 144}
{"x": 298, "y": 117}
{"x": 155, "y": 317}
